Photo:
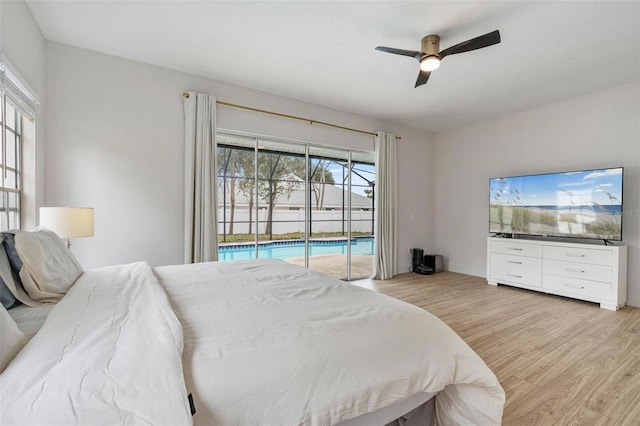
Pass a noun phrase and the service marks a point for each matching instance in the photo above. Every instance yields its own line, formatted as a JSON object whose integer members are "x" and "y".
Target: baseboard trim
{"x": 464, "y": 269}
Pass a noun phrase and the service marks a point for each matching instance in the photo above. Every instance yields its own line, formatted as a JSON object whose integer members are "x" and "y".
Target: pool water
{"x": 288, "y": 249}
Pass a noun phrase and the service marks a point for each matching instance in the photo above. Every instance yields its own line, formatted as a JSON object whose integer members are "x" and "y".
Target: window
{"x": 10, "y": 149}
{"x": 303, "y": 203}
{"x": 17, "y": 108}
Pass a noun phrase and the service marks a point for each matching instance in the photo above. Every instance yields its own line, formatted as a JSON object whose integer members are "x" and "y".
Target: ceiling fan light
{"x": 430, "y": 63}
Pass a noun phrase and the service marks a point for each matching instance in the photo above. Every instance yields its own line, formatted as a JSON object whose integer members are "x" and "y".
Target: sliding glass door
{"x": 307, "y": 205}
{"x": 328, "y": 236}
{"x": 235, "y": 166}
{"x": 361, "y": 217}
{"x": 281, "y": 207}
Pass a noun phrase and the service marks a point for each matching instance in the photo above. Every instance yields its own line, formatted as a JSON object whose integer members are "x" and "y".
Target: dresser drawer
{"x": 585, "y": 271}
{"x": 579, "y": 254}
{"x": 506, "y": 247}
{"x": 577, "y": 287}
{"x": 516, "y": 269}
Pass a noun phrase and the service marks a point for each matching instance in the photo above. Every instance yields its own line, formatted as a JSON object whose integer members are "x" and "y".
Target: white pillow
{"x": 11, "y": 337}
{"x": 49, "y": 268}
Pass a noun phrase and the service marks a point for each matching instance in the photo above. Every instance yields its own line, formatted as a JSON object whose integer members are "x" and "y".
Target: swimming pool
{"x": 288, "y": 249}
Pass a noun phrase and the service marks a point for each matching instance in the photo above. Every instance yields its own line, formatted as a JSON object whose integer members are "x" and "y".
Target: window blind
{"x": 17, "y": 90}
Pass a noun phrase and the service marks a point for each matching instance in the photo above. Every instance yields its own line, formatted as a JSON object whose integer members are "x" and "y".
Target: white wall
{"x": 114, "y": 142}
{"x": 23, "y": 44}
{"x": 592, "y": 131}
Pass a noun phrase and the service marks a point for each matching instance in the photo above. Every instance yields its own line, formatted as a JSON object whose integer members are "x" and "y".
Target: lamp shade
{"x": 68, "y": 222}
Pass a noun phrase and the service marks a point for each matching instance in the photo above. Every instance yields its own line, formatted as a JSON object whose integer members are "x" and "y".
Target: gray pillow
{"x": 10, "y": 267}
{"x": 7, "y": 298}
{"x": 10, "y": 246}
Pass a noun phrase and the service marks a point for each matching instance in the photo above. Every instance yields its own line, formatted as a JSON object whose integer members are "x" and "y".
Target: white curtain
{"x": 385, "y": 253}
{"x": 200, "y": 204}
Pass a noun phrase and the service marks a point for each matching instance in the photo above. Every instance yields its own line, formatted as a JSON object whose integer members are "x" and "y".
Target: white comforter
{"x": 268, "y": 343}
{"x": 109, "y": 353}
{"x": 265, "y": 343}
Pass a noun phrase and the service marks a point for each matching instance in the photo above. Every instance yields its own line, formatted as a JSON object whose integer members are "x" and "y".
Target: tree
{"x": 278, "y": 176}
{"x": 226, "y": 171}
{"x": 246, "y": 184}
{"x": 319, "y": 177}
{"x": 275, "y": 178}
{"x": 236, "y": 168}
{"x": 369, "y": 193}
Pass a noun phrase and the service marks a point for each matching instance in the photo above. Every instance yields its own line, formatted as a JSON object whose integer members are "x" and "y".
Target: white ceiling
{"x": 323, "y": 51}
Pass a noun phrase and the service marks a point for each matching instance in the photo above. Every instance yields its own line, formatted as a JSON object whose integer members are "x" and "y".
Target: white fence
{"x": 288, "y": 221}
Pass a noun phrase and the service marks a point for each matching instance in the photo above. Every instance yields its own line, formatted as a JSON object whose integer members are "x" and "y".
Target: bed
{"x": 258, "y": 342}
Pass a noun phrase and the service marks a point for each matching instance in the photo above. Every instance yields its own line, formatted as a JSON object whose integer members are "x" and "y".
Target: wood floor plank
{"x": 612, "y": 391}
{"x": 561, "y": 361}
{"x": 577, "y": 415}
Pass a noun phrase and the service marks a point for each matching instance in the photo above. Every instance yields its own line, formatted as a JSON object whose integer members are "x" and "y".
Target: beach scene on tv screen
{"x": 584, "y": 204}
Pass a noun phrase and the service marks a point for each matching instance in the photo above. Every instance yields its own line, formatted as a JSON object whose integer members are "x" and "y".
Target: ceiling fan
{"x": 430, "y": 58}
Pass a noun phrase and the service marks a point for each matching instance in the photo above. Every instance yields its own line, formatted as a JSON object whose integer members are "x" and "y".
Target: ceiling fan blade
{"x": 412, "y": 53}
{"x": 486, "y": 40}
{"x": 423, "y": 77}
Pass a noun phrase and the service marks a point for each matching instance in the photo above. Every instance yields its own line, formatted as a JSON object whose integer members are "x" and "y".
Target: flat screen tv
{"x": 581, "y": 204}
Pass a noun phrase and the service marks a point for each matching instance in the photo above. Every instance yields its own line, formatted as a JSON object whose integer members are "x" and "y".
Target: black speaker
{"x": 417, "y": 258}
{"x": 435, "y": 262}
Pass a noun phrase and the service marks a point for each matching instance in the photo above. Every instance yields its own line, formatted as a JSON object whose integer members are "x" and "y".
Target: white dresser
{"x": 582, "y": 271}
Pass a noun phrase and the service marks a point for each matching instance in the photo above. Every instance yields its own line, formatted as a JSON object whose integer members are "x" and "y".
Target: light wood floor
{"x": 560, "y": 361}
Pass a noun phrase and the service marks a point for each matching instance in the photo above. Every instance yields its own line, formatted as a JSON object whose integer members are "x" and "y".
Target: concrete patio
{"x": 335, "y": 265}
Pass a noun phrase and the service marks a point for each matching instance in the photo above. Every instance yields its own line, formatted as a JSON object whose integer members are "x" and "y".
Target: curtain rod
{"x": 294, "y": 117}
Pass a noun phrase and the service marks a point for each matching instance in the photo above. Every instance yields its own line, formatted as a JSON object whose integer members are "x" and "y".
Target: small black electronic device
{"x": 434, "y": 261}
{"x": 417, "y": 258}
{"x": 417, "y": 262}
{"x": 423, "y": 270}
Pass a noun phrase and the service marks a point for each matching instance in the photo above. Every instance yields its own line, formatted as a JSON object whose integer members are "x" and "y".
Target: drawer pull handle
{"x": 581, "y": 271}
{"x": 576, "y": 255}
{"x": 513, "y": 261}
{"x": 515, "y": 248}
{"x": 514, "y": 275}
{"x": 578, "y": 286}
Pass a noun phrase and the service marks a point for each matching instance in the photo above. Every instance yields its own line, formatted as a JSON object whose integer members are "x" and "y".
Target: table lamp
{"x": 68, "y": 222}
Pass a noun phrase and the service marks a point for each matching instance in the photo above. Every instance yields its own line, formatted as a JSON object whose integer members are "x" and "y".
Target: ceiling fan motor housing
{"x": 431, "y": 45}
